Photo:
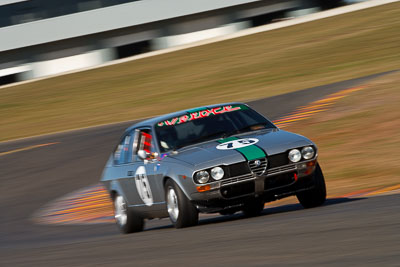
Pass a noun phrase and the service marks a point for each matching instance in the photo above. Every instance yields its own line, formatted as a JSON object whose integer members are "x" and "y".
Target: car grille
{"x": 277, "y": 181}
{"x": 237, "y": 179}
{"x": 277, "y": 170}
{"x": 238, "y": 169}
{"x": 258, "y": 169}
{"x": 245, "y": 171}
{"x": 278, "y": 160}
{"x": 238, "y": 190}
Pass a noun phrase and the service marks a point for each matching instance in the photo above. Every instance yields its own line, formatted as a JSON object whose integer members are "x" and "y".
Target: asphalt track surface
{"x": 364, "y": 231}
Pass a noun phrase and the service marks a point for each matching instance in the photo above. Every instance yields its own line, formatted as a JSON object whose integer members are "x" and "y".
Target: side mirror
{"x": 142, "y": 154}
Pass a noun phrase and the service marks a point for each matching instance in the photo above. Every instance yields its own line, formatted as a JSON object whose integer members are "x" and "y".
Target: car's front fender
{"x": 181, "y": 174}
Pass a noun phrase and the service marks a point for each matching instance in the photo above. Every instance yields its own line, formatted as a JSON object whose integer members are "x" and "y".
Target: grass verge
{"x": 359, "y": 137}
{"x": 260, "y": 65}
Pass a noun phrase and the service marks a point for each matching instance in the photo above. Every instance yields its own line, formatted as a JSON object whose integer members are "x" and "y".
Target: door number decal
{"x": 143, "y": 186}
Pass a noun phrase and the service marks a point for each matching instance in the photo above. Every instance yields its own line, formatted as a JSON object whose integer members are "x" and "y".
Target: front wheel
{"x": 317, "y": 195}
{"x": 181, "y": 212}
{"x": 126, "y": 220}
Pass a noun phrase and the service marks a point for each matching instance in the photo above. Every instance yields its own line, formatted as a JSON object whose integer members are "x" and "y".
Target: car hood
{"x": 206, "y": 154}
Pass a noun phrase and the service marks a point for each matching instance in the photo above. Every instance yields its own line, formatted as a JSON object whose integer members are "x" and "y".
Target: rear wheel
{"x": 182, "y": 212}
{"x": 126, "y": 220}
{"x": 317, "y": 195}
{"x": 253, "y": 207}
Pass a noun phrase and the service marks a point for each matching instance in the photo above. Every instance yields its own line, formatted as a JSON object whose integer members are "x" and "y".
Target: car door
{"x": 139, "y": 178}
{"x": 147, "y": 178}
{"x": 123, "y": 167}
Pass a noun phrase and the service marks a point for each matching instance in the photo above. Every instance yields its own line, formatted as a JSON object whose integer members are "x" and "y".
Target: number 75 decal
{"x": 234, "y": 144}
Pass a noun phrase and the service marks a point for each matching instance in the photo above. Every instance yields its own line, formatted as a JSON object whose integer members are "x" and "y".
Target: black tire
{"x": 187, "y": 214}
{"x": 317, "y": 195}
{"x": 253, "y": 207}
{"x": 132, "y": 223}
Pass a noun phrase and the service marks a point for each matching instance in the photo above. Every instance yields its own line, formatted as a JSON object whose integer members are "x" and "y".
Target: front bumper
{"x": 275, "y": 183}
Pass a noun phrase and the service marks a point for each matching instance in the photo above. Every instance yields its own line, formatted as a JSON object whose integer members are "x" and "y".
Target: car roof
{"x": 151, "y": 121}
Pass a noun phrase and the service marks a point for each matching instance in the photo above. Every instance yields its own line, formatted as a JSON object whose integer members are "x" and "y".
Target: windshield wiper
{"x": 199, "y": 140}
{"x": 225, "y": 135}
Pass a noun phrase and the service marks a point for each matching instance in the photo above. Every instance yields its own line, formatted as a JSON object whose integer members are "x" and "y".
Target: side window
{"x": 124, "y": 155}
{"x": 145, "y": 142}
{"x": 125, "y": 150}
{"x": 117, "y": 154}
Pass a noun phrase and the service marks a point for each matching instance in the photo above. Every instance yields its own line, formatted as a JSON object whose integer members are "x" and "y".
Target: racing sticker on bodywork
{"x": 143, "y": 186}
{"x": 200, "y": 113}
{"x": 239, "y": 143}
{"x": 245, "y": 146}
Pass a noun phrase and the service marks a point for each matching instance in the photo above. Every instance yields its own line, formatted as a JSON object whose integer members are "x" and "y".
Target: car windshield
{"x": 201, "y": 125}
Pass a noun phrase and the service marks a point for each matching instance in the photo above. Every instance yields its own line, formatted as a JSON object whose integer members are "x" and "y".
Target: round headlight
{"x": 294, "y": 155}
{"x": 217, "y": 173}
{"x": 202, "y": 177}
{"x": 308, "y": 152}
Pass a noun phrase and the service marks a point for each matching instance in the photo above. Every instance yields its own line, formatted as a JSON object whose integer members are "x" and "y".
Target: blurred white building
{"x": 45, "y": 37}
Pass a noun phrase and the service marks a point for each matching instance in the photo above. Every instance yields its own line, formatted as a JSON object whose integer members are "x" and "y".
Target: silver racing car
{"x": 222, "y": 158}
